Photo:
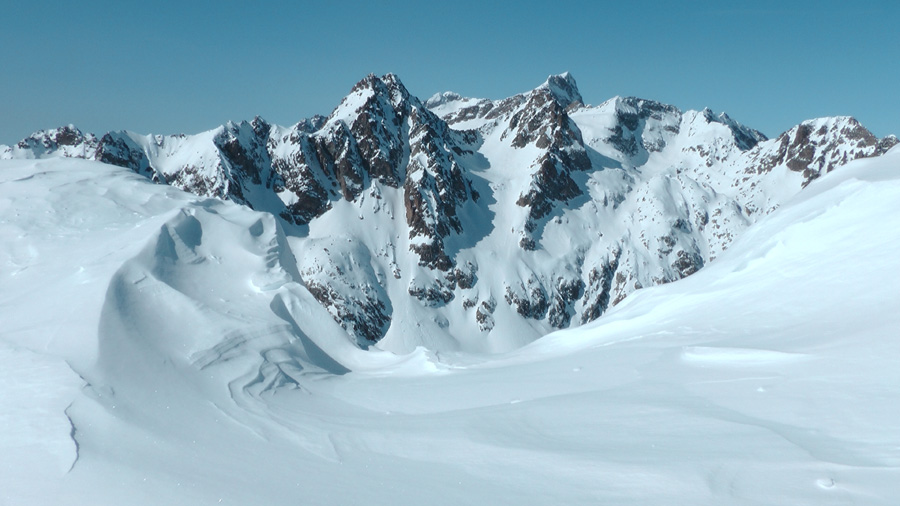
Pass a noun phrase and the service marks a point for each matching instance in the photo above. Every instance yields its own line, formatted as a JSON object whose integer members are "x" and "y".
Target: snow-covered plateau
{"x": 363, "y": 309}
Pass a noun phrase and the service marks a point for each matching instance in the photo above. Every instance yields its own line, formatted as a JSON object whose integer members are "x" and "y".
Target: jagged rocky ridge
{"x": 475, "y": 224}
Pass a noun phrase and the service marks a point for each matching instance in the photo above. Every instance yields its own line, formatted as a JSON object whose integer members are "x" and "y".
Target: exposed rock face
{"x": 65, "y": 141}
{"x": 434, "y": 189}
{"x": 816, "y": 147}
{"x": 484, "y": 315}
{"x": 431, "y": 293}
{"x": 566, "y": 292}
{"x": 121, "y": 150}
{"x": 744, "y": 138}
{"x": 340, "y": 275}
{"x": 599, "y": 287}
{"x": 380, "y": 133}
{"x": 641, "y": 125}
{"x": 244, "y": 147}
{"x": 486, "y": 222}
{"x": 538, "y": 119}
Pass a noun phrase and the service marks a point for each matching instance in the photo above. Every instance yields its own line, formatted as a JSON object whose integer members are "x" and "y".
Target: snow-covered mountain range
{"x": 479, "y": 225}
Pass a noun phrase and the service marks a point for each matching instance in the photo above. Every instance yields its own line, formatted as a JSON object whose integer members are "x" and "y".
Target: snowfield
{"x": 161, "y": 348}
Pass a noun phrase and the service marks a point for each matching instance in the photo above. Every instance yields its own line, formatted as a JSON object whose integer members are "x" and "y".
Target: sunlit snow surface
{"x": 157, "y": 348}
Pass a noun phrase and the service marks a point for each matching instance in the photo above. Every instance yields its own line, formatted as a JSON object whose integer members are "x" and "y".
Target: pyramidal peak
{"x": 387, "y": 89}
{"x": 564, "y": 88}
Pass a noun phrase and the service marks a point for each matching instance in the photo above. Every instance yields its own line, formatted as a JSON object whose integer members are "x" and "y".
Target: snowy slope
{"x": 159, "y": 348}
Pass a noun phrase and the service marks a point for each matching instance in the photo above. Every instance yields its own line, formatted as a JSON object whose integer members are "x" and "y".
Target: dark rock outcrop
{"x": 816, "y": 147}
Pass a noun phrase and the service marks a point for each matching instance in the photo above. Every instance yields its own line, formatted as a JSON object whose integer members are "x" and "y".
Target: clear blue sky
{"x": 170, "y": 67}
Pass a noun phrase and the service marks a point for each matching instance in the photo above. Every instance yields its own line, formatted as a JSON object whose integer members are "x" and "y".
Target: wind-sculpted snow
{"x": 474, "y": 224}
{"x": 170, "y": 310}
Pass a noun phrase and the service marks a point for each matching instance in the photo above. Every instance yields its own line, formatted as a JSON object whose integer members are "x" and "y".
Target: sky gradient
{"x": 185, "y": 67}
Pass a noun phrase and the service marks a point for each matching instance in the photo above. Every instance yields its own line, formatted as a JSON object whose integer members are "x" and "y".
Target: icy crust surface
{"x": 164, "y": 348}
{"x": 466, "y": 224}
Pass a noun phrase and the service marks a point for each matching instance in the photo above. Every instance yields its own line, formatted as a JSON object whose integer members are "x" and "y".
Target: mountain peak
{"x": 392, "y": 80}
{"x": 834, "y": 127}
{"x": 564, "y": 88}
{"x": 387, "y": 89}
{"x": 442, "y": 98}
{"x": 66, "y": 139}
{"x": 372, "y": 83}
{"x": 745, "y": 138}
